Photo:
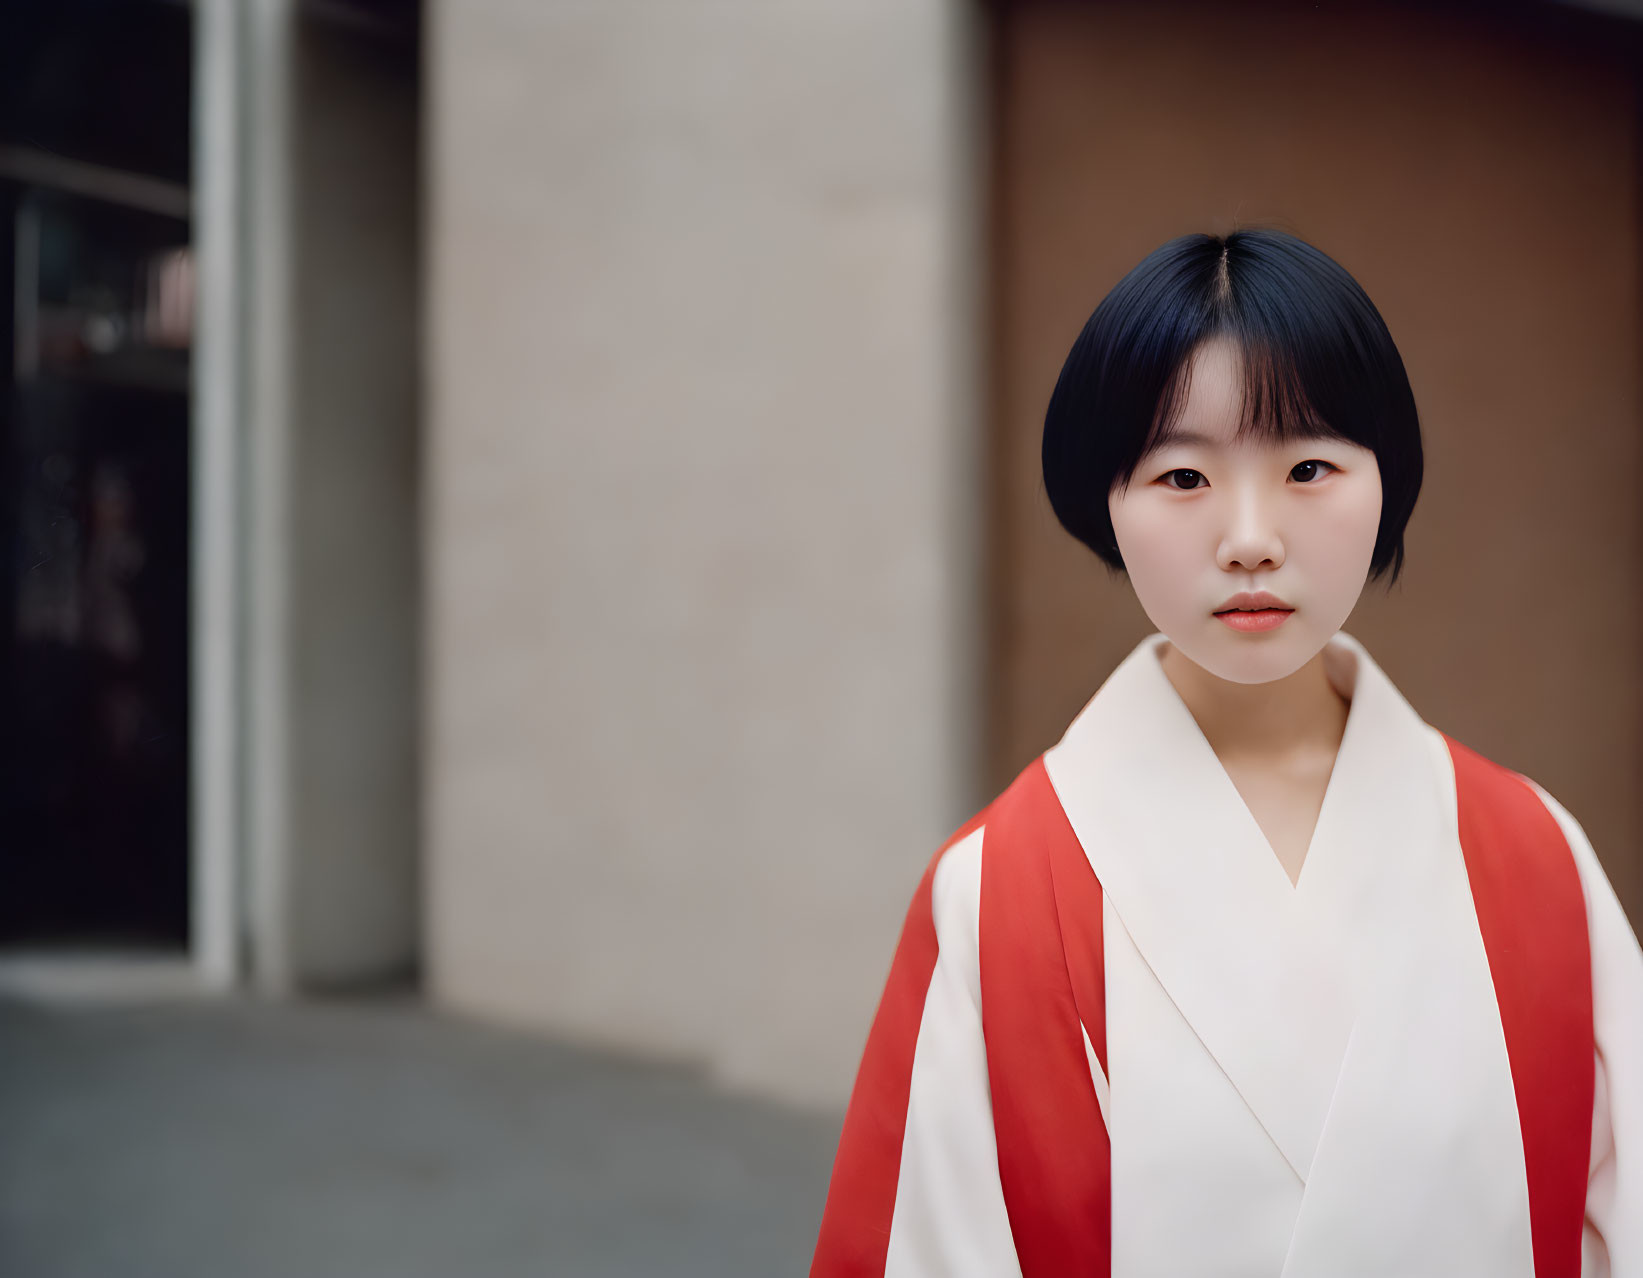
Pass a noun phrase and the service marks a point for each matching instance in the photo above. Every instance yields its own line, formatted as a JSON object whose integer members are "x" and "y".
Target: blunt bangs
{"x": 1317, "y": 362}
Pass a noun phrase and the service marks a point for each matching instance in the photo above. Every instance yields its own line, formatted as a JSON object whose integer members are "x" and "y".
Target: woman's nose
{"x": 1251, "y": 538}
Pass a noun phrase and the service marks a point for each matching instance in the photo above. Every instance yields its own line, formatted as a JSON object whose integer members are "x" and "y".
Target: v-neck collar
{"x": 1341, "y": 668}
{"x": 1248, "y": 961}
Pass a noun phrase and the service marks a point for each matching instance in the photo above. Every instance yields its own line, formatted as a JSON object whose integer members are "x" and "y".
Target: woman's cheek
{"x": 1348, "y": 535}
{"x": 1162, "y": 535}
{"x": 1165, "y": 565}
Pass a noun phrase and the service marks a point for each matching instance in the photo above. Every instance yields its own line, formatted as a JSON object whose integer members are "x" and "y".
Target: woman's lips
{"x": 1255, "y": 621}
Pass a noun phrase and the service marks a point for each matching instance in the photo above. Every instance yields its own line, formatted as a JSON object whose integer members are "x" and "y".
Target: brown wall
{"x": 1479, "y": 177}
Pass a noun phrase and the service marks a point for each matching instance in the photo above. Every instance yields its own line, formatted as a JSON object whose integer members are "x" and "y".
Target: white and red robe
{"x": 1116, "y": 1040}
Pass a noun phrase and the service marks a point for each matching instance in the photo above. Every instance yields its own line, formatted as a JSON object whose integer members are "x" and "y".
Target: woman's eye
{"x": 1305, "y": 472}
{"x": 1187, "y": 479}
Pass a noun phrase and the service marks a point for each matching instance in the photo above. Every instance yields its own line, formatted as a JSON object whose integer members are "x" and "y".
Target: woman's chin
{"x": 1251, "y": 657}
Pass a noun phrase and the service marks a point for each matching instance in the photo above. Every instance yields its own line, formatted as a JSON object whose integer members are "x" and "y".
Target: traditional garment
{"x": 1425, "y": 1057}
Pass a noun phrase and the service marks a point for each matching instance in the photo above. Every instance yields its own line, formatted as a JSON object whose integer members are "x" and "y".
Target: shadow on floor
{"x": 362, "y": 1139}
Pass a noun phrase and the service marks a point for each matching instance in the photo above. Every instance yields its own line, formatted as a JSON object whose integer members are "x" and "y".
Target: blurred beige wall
{"x": 699, "y": 538}
{"x": 1477, "y": 170}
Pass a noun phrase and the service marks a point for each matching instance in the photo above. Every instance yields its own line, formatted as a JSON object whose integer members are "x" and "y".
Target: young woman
{"x": 1254, "y": 972}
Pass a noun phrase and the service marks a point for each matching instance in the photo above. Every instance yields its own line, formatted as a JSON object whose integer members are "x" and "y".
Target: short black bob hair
{"x": 1317, "y": 357}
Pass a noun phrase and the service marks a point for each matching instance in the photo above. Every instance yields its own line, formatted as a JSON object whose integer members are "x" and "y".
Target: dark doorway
{"x": 94, "y": 472}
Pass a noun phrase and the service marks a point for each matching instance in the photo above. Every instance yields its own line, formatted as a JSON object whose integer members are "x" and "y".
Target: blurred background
{"x": 520, "y": 533}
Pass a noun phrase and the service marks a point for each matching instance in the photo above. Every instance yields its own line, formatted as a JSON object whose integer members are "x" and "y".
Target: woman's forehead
{"x": 1213, "y": 399}
{"x": 1224, "y": 396}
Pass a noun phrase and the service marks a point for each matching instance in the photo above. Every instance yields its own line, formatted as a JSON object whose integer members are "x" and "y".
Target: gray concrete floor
{"x": 241, "y": 1139}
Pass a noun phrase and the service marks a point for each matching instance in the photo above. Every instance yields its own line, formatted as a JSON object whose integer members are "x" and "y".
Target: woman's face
{"x": 1206, "y": 519}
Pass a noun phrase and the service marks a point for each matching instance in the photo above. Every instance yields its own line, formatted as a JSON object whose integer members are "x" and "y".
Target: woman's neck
{"x": 1300, "y": 712}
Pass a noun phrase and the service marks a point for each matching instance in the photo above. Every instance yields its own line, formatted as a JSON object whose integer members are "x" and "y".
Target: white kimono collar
{"x": 1252, "y": 962}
